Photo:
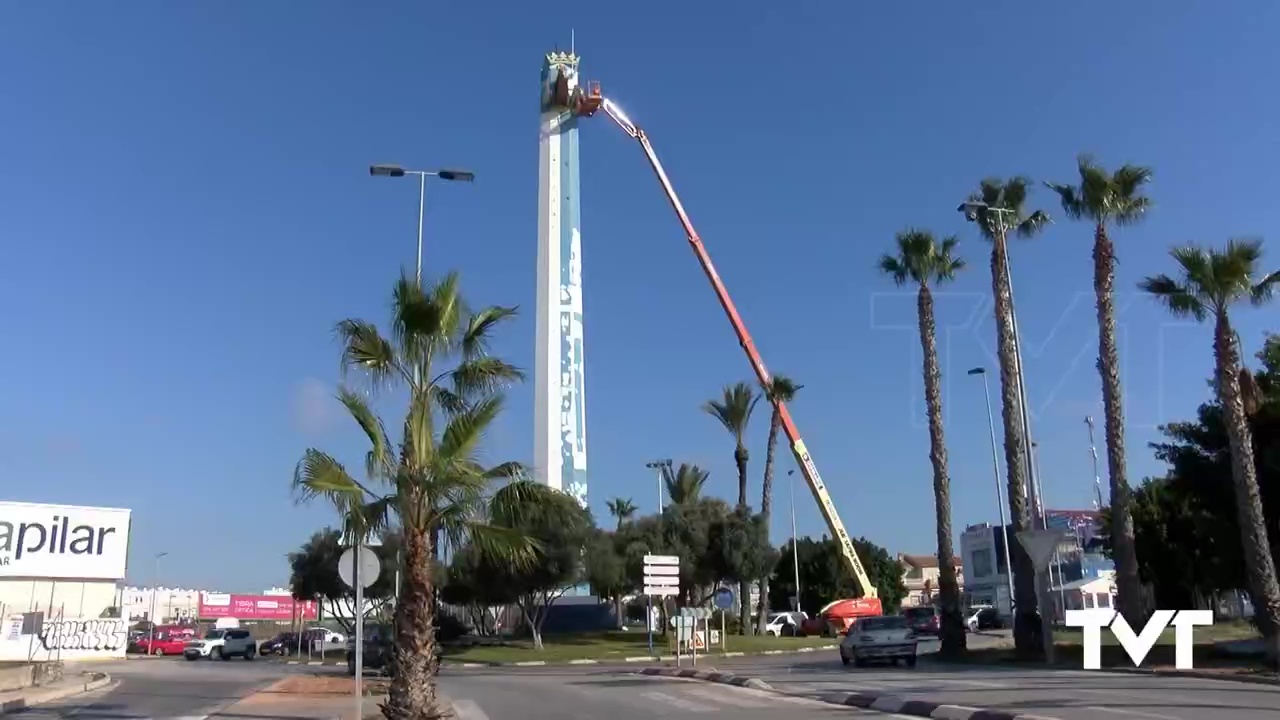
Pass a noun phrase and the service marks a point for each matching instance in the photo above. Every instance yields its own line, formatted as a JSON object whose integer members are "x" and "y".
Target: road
{"x": 1063, "y": 694}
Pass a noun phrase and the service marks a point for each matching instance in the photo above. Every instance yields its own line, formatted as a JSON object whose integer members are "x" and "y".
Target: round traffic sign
{"x": 370, "y": 567}
{"x": 724, "y": 598}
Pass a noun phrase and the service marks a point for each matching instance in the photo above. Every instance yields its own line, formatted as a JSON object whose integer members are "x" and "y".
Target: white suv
{"x": 222, "y": 645}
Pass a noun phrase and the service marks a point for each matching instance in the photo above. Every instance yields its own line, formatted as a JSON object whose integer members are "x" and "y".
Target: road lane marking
{"x": 468, "y": 710}
{"x": 720, "y": 694}
{"x": 1135, "y": 713}
{"x": 687, "y": 705}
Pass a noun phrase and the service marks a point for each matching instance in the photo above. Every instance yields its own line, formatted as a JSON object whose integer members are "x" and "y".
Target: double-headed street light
{"x": 397, "y": 171}
{"x": 659, "y": 465}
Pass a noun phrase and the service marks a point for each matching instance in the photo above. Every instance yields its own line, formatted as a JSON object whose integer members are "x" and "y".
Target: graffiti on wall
{"x": 111, "y": 634}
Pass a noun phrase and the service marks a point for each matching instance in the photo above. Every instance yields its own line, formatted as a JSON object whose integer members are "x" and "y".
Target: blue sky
{"x": 187, "y": 211}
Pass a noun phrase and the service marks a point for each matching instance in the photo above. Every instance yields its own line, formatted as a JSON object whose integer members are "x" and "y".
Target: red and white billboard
{"x": 255, "y": 607}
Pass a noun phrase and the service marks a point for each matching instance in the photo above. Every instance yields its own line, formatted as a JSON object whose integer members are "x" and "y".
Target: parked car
{"x": 222, "y": 644}
{"x": 984, "y": 618}
{"x": 924, "y": 620}
{"x": 888, "y": 638}
{"x": 166, "y": 641}
{"x": 379, "y": 647}
{"x": 785, "y": 624}
{"x": 286, "y": 643}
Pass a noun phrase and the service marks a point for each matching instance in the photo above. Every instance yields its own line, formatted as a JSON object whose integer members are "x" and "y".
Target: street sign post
{"x": 1040, "y": 546}
{"x": 692, "y": 637}
{"x": 724, "y": 601}
{"x": 359, "y": 568}
{"x": 661, "y": 579}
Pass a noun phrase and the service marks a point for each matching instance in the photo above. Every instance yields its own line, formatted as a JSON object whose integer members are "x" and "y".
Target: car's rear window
{"x": 884, "y": 623}
{"x": 917, "y": 613}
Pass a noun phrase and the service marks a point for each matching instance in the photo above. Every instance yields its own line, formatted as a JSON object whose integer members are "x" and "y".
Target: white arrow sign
{"x": 661, "y": 560}
{"x": 661, "y": 575}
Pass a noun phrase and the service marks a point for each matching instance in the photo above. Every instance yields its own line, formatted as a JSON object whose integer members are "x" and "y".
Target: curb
{"x": 865, "y": 701}
{"x": 98, "y": 680}
{"x": 591, "y": 661}
{"x": 1198, "y": 674}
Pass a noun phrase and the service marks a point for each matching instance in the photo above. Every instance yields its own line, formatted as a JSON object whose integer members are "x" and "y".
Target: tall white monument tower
{"x": 559, "y": 424}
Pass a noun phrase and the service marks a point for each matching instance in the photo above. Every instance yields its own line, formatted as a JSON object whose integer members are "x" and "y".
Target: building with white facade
{"x": 162, "y": 604}
{"x": 62, "y": 570}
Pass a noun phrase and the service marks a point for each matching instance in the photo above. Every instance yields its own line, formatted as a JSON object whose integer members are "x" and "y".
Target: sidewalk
{"x": 308, "y": 697}
{"x": 19, "y": 700}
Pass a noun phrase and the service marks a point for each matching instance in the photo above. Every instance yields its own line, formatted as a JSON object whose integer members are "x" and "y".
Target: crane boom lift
{"x": 588, "y": 103}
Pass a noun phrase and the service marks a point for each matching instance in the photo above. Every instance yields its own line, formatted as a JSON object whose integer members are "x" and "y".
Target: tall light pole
{"x": 397, "y": 171}
{"x": 995, "y": 467}
{"x": 970, "y": 210}
{"x": 1000, "y": 229}
{"x": 659, "y": 465}
{"x": 795, "y": 547}
{"x": 155, "y": 586}
{"x": 1097, "y": 477}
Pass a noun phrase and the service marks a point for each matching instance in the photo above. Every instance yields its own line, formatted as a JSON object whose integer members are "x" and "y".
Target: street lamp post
{"x": 795, "y": 548}
{"x": 995, "y": 467}
{"x": 971, "y": 212}
{"x": 658, "y": 465}
{"x": 397, "y": 171}
{"x": 155, "y": 586}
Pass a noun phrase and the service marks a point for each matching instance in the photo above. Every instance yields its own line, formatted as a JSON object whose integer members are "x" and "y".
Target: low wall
{"x": 18, "y": 677}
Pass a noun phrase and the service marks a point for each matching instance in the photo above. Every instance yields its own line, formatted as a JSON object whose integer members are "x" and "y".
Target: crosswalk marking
{"x": 681, "y": 703}
{"x": 730, "y": 697}
{"x": 468, "y": 710}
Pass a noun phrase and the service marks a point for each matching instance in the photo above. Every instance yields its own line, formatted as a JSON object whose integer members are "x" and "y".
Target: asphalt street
{"x": 162, "y": 689}
{"x": 560, "y": 693}
{"x": 1063, "y": 694}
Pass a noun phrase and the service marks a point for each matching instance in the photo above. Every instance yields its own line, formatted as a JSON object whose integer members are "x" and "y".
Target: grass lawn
{"x": 610, "y": 646}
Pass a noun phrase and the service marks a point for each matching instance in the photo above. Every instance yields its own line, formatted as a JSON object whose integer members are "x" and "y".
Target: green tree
{"x": 561, "y": 527}
{"x": 925, "y": 262}
{"x": 622, "y": 509}
{"x": 1105, "y": 199}
{"x": 739, "y": 549}
{"x": 733, "y": 411}
{"x": 779, "y": 391}
{"x": 606, "y": 570}
{"x": 1210, "y": 282}
{"x": 468, "y": 585}
{"x": 824, "y": 577}
{"x": 684, "y": 485}
{"x": 432, "y": 482}
{"x": 998, "y": 208}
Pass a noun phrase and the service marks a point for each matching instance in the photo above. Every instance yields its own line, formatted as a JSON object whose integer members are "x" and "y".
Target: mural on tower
{"x": 560, "y": 433}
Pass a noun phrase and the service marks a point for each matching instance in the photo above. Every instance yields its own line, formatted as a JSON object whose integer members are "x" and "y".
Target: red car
{"x": 168, "y": 640}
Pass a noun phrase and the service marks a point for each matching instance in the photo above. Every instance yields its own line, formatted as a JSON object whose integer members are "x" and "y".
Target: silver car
{"x": 888, "y": 638}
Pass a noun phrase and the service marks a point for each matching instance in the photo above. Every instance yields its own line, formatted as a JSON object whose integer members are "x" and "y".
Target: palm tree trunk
{"x": 953, "y": 630}
{"x": 412, "y": 695}
{"x": 1124, "y": 552}
{"x": 1260, "y": 567}
{"x": 766, "y": 509}
{"x": 1026, "y": 621}
{"x": 744, "y": 588}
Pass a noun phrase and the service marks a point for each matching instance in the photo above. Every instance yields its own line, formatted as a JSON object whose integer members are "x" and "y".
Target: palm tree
{"x": 779, "y": 390}
{"x": 734, "y": 412}
{"x": 998, "y": 207}
{"x": 432, "y": 482}
{"x": 925, "y": 262}
{"x": 1103, "y": 199}
{"x": 622, "y": 509}
{"x": 1209, "y": 283}
{"x": 684, "y": 486}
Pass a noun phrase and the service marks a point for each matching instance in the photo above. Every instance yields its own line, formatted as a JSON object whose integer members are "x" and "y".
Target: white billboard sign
{"x": 63, "y": 541}
{"x": 662, "y": 575}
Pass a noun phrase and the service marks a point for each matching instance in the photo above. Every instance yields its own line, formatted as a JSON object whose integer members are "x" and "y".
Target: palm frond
{"x": 483, "y": 375}
{"x": 480, "y": 327}
{"x": 379, "y": 460}
{"x": 893, "y": 267}
{"x": 734, "y": 410}
{"x": 364, "y": 348}
{"x": 1180, "y": 300}
{"x": 416, "y": 322}
{"x": 464, "y": 431}
{"x": 1264, "y": 289}
{"x": 504, "y": 545}
{"x": 419, "y": 437}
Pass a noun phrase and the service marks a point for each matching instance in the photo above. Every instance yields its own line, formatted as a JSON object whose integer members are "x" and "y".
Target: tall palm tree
{"x": 684, "y": 485}
{"x": 924, "y": 261}
{"x": 733, "y": 411}
{"x": 622, "y": 509}
{"x": 431, "y": 482}
{"x": 1001, "y": 209}
{"x": 1111, "y": 198}
{"x": 779, "y": 389}
{"x": 1209, "y": 283}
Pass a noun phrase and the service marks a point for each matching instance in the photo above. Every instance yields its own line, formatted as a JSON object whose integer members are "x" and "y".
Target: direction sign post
{"x": 1040, "y": 546}
{"x": 359, "y": 568}
{"x": 661, "y": 579}
{"x": 723, "y": 600}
